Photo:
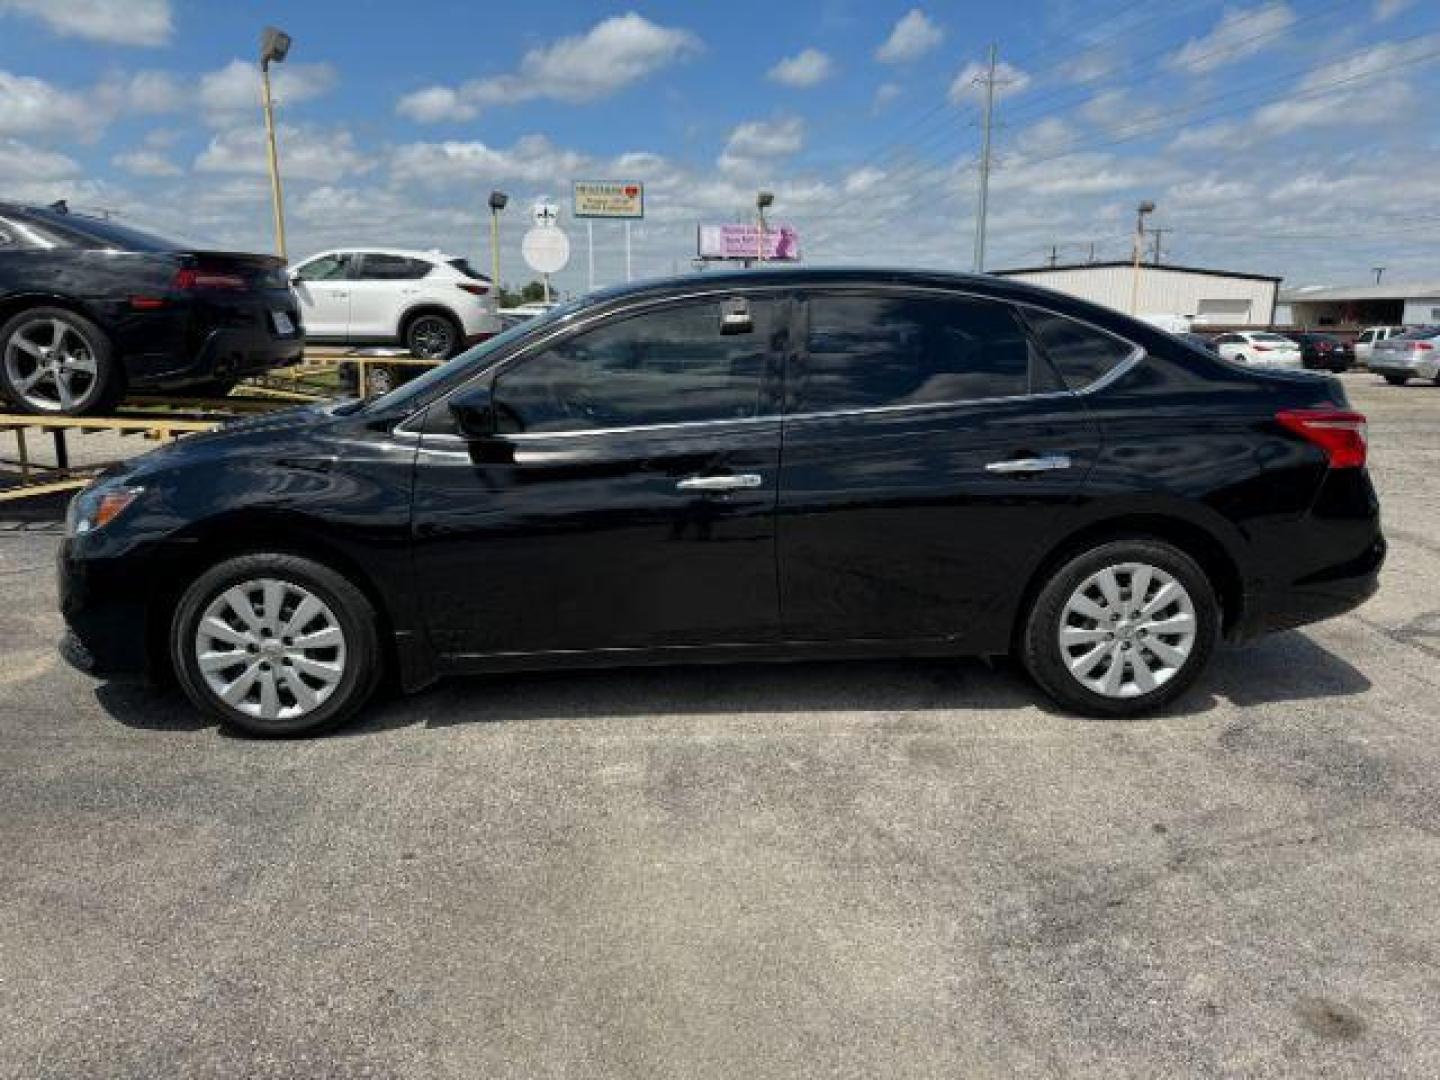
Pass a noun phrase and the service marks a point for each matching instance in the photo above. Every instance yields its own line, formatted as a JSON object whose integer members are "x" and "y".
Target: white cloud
{"x": 768, "y": 138}
{"x": 146, "y": 163}
{"x": 609, "y": 56}
{"x": 1209, "y": 137}
{"x": 913, "y": 36}
{"x": 533, "y": 158}
{"x": 305, "y": 153}
{"x": 142, "y": 92}
{"x": 1352, "y": 91}
{"x": 809, "y": 67}
{"x": 1386, "y": 10}
{"x": 22, "y": 163}
{"x": 885, "y": 95}
{"x": 863, "y": 180}
{"x": 113, "y": 22}
{"x": 967, "y": 84}
{"x": 235, "y": 88}
{"x": 31, "y": 106}
{"x": 1241, "y": 32}
{"x": 435, "y": 104}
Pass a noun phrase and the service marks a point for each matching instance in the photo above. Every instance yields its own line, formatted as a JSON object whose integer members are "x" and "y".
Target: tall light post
{"x": 762, "y": 201}
{"x": 498, "y": 199}
{"x": 274, "y": 47}
{"x": 1146, "y": 207}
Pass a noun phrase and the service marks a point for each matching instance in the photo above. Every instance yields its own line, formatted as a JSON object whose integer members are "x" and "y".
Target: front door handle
{"x": 1048, "y": 463}
{"x": 734, "y": 482}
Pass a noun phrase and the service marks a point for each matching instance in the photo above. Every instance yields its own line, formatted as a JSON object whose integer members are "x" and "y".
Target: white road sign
{"x": 546, "y": 249}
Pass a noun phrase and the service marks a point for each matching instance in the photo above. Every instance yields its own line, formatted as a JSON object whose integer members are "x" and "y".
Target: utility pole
{"x": 1379, "y": 272}
{"x": 1054, "y": 255}
{"x": 274, "y": 47}
{"x": 989, "y": 80}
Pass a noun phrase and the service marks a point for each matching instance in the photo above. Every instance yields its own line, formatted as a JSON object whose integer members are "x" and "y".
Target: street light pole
{"x": 1146, "y": 207}
{"x": 498, "y": 199}
{"x": 762, "y": 200}
{"x": 274, "y": 46}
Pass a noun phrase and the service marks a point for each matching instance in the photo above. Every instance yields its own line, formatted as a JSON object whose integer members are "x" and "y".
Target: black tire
{"x": 98, "y": 395}
{"x": 419, "y": 339}
{"x": 1397, "y": 380}
{"x": 1041, "y": 651}
{"x": 362, "y": 667}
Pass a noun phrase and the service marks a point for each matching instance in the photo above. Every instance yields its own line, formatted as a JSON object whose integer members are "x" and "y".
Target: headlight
{"x": 97, "y": 506}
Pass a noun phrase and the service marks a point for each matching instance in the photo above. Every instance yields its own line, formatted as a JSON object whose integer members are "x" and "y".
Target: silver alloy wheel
{"x": 271, "y": 649}
{"x": 50, "y": 366}
{"x": 1127, "y": 630}
{"x": 431, "y": 337}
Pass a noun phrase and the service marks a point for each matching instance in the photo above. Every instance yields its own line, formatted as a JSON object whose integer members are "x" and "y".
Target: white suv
{"x": 433, "y": 304}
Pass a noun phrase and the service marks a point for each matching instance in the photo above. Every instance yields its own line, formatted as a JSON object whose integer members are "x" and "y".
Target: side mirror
{"x": 474, "y": 411}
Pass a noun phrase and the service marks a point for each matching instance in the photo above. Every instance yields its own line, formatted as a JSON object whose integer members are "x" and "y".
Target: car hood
{"x": 303, "y": 424}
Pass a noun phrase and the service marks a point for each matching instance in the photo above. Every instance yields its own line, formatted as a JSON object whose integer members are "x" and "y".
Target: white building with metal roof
{"x": 1190, "y": 294}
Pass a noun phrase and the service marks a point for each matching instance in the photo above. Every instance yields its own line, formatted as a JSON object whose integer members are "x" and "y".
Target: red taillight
{"x": 1262, "y": 348}
{"x": 473, "y": 290}
{"x": 189, "y": 277}
{"x": 1424, "y": 346}
{"x": 1338, "y": 432}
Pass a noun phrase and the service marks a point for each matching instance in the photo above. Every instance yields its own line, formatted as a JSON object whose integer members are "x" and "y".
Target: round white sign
{"x": 546, "y": 250}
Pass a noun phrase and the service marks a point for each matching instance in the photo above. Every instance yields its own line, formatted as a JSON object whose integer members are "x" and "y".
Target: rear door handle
{"x": 1048, "y": 463}
{"x": 735, "y": 482}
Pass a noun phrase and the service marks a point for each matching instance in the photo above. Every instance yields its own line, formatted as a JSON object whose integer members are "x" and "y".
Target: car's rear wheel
{"x": 1397, "y": 380}
{"x": 381, "y": 379}
{"x": 1122, "y": 629}
{"x": 275, "y": 644}
{"x": 433, "y": 336}
{"x": 55, "y": 361}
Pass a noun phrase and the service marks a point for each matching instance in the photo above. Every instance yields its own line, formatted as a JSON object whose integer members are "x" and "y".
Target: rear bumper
{"x": 1317, "y": 597}
{"x": 223, "y": 354}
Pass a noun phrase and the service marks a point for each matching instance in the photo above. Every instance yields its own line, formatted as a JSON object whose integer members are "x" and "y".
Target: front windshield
{"x": 456, "y": 370}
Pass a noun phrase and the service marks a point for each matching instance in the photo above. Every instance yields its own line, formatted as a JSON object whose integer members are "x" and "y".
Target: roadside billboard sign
{"x": 736, "y": 241}
{"x": 619, "y": 199}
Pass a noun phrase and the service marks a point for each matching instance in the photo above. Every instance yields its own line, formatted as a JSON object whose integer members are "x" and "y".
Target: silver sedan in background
{"x": 1415, "y": 354}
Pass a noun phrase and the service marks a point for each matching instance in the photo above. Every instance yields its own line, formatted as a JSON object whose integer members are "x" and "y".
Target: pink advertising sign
{"x": 782, "y": 243}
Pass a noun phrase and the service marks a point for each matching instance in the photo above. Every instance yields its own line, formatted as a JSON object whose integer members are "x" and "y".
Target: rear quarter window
{"x": 1082, "y": 354}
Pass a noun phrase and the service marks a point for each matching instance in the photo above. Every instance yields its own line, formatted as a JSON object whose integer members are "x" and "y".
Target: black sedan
{"x": 91, "y": 309}
{"x": 772, "y": 465}
{"x": 1323, "y": 352}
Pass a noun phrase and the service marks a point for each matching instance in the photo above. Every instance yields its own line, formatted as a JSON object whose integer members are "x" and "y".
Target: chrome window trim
{"x": 1137, "y": 354}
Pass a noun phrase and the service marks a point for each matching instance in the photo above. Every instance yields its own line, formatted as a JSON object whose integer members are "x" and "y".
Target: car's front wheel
{"x": 1396, "y": 380}
{"x": 275, "y": 644}
{"x": 57, "y": 362}
{"x": 1122, "y": 629}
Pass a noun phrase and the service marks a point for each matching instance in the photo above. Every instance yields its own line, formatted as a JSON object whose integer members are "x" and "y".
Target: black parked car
{"x": 1325, "y": 352}
{"x": 91, "y": 309}
{"x": 778, "y": 464}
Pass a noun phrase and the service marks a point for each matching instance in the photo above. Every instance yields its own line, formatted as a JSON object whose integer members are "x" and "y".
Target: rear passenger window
{"x": 392, "y": 268}
{"x": 868, "y": 351}
{"x": 1082, "y": 354}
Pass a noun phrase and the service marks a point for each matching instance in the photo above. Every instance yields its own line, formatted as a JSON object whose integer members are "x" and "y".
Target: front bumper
{"x": 105, "y": 604}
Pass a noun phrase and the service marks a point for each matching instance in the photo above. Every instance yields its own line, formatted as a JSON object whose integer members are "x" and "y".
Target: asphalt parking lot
{"x": 883, "y": 869}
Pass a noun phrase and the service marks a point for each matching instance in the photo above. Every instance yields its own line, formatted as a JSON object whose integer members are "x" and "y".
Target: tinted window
{"x": 98, "y": 233}
{"x": 325, "y": 268}
{"x": 867, "y": 351}
{"x": 392, "y": 268}
{"x": 1419, "y": 333}
{"x": 464, "y": 267}
{"x": 1082, "y": 354}
{"x": 667, "y": 366}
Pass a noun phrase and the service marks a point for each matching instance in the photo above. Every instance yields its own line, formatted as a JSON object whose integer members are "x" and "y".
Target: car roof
{"x": 404, "y": 253}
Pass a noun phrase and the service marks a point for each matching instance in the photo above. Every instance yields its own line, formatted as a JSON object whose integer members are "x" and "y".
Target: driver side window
{"x": 666, "y": 366}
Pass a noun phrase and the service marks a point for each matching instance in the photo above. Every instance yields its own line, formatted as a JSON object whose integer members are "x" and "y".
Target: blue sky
{"x": 1296, "y": 137}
